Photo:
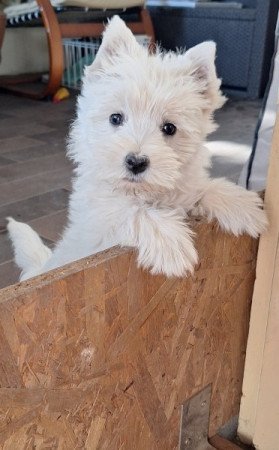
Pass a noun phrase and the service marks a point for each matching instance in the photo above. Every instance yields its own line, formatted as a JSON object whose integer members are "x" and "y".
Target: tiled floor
{"x": 35, "y": 175}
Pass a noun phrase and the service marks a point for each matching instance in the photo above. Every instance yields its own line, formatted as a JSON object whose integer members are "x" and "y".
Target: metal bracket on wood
{"x": 194, "y": 422}
{"x": 194, "y": 425}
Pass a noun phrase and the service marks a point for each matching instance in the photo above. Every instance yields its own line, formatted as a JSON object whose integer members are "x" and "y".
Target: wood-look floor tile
{"x": 34, "y": 207}
{"x": 9, "y": 274}
{"x": 50, "y": 227}
{"x": 6, "y": 252}
{"x": 14, "y": 191}
{"x": 5, "y": 161}
{"x": 26, "y": 169}
{"x": 17, "y": 143}
{"x": 39, "y": 151}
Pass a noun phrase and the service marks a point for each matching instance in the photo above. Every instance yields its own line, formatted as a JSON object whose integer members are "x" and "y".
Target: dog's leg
{"x": 164, "y": 241}
{"x": 237, "y": 210}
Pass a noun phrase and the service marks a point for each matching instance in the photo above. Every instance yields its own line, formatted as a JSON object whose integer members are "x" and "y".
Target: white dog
{"x": 141, "y": 163}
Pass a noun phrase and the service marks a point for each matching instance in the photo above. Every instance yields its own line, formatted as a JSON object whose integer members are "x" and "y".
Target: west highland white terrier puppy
{"x": 142, "y": 168}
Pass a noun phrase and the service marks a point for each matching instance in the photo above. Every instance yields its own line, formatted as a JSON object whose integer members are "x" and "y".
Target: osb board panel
{"x": 101, "y": 355}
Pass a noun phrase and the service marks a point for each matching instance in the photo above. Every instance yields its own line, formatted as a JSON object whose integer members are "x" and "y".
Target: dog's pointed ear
{"x": 201, "y": 65}
{"x": 118, "y": 41}
{"x": 202, "y": 57}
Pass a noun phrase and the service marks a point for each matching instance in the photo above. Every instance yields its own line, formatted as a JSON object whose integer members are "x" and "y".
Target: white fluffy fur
{"x": 109, "y": 206}
{"x": 30, "y": 251}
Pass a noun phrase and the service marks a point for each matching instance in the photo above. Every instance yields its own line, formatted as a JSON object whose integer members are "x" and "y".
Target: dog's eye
{"x": 169, "y": 129}
{"x": 116, "y": 119}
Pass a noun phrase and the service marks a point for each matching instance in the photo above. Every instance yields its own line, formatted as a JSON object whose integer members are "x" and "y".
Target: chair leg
{"x": 56, "y": 57}
{"x": 148, "y": 26}
{"x": 2, "y": 29}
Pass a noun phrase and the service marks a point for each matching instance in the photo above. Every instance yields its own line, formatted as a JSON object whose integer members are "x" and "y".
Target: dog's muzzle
{"x": 136, "y": 164}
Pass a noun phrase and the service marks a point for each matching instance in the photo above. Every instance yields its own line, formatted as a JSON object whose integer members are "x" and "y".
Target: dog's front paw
{"x": 178, "y": 263}
{"x": 257, "y": 221}
{"x": 198, "y": 210}
{"x": 173, "y": 259}
{"x": 246, "y": 215}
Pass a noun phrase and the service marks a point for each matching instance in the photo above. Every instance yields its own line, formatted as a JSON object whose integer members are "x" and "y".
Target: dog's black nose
{"x": 136, "y": 164}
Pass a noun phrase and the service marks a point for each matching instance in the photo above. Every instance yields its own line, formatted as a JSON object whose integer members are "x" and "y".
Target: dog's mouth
{"x": 134, "y": 184}
{"x": 133, "y": 179}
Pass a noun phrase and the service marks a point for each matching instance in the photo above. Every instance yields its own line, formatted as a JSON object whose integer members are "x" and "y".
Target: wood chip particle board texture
{"x": 101, "y": 355}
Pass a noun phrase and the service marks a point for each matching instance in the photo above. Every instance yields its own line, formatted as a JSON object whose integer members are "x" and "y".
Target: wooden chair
{"x": 56, "y": 31}
{"x": 2, "y": 29}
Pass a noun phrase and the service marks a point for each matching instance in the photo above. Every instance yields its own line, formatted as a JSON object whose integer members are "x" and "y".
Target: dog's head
{"x": 141, "y": 117}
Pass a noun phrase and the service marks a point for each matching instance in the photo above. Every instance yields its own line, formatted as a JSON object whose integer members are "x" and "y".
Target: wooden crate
{"x": 101, "y": 355}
